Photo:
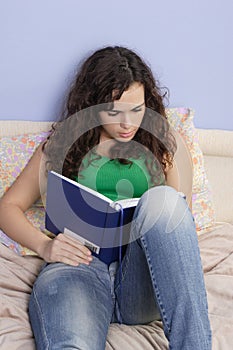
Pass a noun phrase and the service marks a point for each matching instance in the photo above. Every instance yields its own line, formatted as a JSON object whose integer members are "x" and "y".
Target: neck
{"x": 104, "y": 146}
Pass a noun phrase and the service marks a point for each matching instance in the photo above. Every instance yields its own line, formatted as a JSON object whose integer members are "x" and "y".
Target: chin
{"x": 124, "y": 140}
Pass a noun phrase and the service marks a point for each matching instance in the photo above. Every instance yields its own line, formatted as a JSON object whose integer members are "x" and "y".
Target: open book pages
{"x": 124, "y": 203}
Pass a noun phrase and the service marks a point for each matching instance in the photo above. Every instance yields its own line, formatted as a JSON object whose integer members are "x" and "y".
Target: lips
{"x": 126, "y": 135}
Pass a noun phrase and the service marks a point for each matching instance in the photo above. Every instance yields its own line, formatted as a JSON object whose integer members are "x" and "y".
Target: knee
{"x": 54, "y": 279}
{"x": 74, "y": 289}
{"x": 164, "y": 207}
{"x": 160, "y": 200}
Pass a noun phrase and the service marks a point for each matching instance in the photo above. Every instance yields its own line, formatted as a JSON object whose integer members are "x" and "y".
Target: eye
{"x": 137, "y": 109}
{"x": 113, "y": 113}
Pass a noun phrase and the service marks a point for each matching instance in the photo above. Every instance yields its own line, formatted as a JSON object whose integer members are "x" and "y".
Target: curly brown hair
{"x": 108, "y": 70}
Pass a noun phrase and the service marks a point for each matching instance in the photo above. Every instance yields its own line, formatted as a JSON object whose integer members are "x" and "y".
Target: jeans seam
{"x": 157, "y": 294}
{"x": 40, "y": 315}
{"x": 126, "y": 263}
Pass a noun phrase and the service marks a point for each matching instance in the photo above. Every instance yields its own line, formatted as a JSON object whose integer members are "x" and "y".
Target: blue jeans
{"x": 161, "y": 278}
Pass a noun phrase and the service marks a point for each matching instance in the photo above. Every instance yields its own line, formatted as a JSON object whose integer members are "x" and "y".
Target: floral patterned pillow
{"x": 15, "y": 152}
{"x": 181, "y": 119}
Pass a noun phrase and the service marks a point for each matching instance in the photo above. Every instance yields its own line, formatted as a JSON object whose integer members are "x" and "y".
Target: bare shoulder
{"x": 28, "y": 186}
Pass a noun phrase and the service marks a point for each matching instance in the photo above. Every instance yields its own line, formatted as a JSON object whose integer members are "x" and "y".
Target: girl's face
{"x": 122, "y": 122}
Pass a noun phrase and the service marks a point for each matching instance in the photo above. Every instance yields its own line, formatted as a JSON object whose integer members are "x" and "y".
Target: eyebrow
{"x": 116, "y": 110}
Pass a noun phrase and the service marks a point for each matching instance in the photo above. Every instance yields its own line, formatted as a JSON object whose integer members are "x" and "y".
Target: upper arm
{"x": 172, "y": 177}
{"x": 180, "y": 175}
{"x": 28, "y": 186}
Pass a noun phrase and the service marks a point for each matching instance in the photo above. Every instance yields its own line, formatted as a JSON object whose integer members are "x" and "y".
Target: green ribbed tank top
{"x": 116, "y": 180}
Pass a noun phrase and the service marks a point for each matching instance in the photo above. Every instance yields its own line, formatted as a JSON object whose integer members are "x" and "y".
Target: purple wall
{"x": 188, "y": 44}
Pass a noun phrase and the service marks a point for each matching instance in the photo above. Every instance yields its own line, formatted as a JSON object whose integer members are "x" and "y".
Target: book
{"x": 98, "y": 222}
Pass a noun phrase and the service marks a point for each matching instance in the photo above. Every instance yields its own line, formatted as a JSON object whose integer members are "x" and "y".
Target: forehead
{"x": 134, "y": 95}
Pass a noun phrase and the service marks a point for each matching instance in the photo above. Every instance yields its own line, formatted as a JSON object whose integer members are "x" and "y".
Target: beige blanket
{"x": 18, "y": 273}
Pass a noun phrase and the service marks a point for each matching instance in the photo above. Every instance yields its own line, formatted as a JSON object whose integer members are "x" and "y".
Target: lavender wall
{"x": 188, "y": 44}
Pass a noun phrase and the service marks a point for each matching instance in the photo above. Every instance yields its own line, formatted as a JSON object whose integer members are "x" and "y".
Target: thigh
{"x": 135, "y": 299}
{"x": 71, "y": 307}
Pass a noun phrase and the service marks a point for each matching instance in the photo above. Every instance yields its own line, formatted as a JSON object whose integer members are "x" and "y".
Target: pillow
{"x": 15, "y": 152}
{"x": 181, "y": 119}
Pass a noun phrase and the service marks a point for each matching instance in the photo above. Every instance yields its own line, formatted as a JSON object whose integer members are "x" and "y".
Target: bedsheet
{"x": 17, "y": 275}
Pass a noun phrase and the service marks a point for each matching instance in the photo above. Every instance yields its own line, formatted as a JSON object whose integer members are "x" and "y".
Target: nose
{"x": 125, "y": 121}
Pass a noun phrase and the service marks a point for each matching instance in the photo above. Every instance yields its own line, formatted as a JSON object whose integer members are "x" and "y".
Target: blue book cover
{"x": 97, "y": 221}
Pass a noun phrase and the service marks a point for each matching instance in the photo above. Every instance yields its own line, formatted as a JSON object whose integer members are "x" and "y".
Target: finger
{"x": 76, "y": 243}
{"x": 70, "y": 259}
{"x": 67, "y": 257}
{"x": 60, "y": 251}
{"x": 63, "y": 247}
{"x": 76, "y": 252}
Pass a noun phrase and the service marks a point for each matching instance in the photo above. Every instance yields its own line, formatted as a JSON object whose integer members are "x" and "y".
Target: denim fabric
{"x": 161, "y": 278}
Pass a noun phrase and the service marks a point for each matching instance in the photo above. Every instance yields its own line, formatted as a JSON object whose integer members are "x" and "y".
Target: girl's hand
{"x": 65, "y": 249}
